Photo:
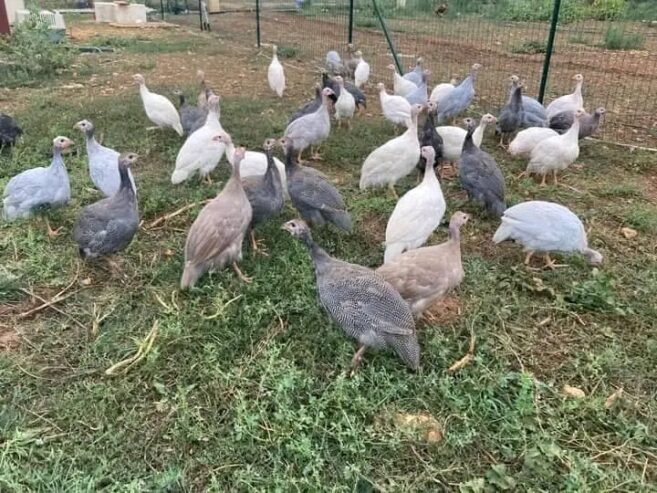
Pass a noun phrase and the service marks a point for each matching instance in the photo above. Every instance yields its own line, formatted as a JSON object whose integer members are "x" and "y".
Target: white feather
{"x": 526, "y": 140}
{"x": 454, "y": 137}
{"x": 395, "y": 108}
{"x": 276, "y": 75}
{"x": 362, "y": 73}
{"x": 160, "y": 110}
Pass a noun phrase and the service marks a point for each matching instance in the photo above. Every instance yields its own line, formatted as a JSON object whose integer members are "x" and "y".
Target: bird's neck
{"x": 430, "y": 172}
{"x": 516, "y": 98}
{"x": 230, "y": 152}
{"x": 290, "y": 162}
{"x": 235, "y": 175}
{"x": 578, "y": 89}
{"x": 57, "y": 160}
{"x": 318, "y": 254}
{"x": 90, "y": 139}
{"x": 573, "y": 131}
{"x": 143, "y": 90}
{"x": 126, "y": 184}
{"x": 468, "y": 144}
{"x": 454, "y": 234}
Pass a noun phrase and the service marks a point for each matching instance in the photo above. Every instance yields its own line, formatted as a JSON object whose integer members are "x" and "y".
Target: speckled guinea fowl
{"x": 103, "y": 162}
{"x": 39, "y": 187}
{"x": 425, "y": 275}
{"x": 481, "y": 177}
{"x": 317, "y": 200}
{"x": 108, "y": 226}
{"x": 265, "y": 192}
{"x": 191, "y": 117}
{"x": 215, "y": 238}
{"x": 9, "y": 130}
{"x": 365, "y": 306}
{"x": 359, "y": 96}
{"x": 430, "y": 137}
{"x": 588, "y": 123}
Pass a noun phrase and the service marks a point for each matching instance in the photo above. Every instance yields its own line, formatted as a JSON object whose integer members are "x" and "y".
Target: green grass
{"x": 245, "y": 387}
{"x": 530, "y": 47}
{"x": 616, "y": 38}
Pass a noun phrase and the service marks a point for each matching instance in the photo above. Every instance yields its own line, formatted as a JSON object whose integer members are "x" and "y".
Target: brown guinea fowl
{"x": 424, "y": 275}
{"x": 216, "y": 236}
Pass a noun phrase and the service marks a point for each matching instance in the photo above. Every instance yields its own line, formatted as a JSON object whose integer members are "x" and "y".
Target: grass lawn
{"x": 245, "y": 386}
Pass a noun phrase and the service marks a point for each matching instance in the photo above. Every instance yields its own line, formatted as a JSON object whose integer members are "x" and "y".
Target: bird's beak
{"x": 286, "y": 227}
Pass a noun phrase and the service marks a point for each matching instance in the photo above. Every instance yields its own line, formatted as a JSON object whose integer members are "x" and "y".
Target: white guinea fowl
{"x": 441, "y": 91}
{"x": 525, "y": 141}
{"x": 454, "y": 137}
{"x": 390, "y": 162}
{"x": 417, "y": 214}
{"x": 200, "y": 152}
{"x": 253, "y": 163}
{"x": 400, "y": 86}
{"x": 158, "y": 109}
{"x": 275, "y": 74}
{"x": 545, "y": 227}
{"x": 345, "y": 106}
{"x": 395, "y": 108}
{"x": 555, "y": 153}
{"x": 569, "y": 102}
{"x": 362, "y": 72}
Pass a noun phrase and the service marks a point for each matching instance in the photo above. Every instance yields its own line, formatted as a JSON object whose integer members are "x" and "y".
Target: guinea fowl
{"x": 401, "y": 86}
{"x": 359, "y": 96}
{"x": 201, "y": 152}
{"x": 588, "y": 124}
{"x": 265, "y": 193}
{"x": 419, "y": 95}
{"x": 417, "y": 214}
{"x": 481, "y": 177}
{"x": 9, "y": 130}
{"x": 275, "y": 74}
{"x": 310, "y": 106}
{"x": 555, "y": 153}
{"x": 312, "y": 129}
{"x": 425, "y": 275}
{"x": 108, "y": 226}
{"x": 317, "y": 200}
{"x": 417, "y": 75}
{"x": 529, "y": 138}
{"x": 441, "y": 92}
{"x": 512, "y": 115}
{"x": 334, "y": 63}
{"x": 396, "y": 109}
{"x": 352, "y": 61}
{"x": 569, "y": 102}
{"x": 430, "y": 137}
{"x": 216, "y": 236}
{"x": 454, "y": 137}
{"x": 365, "y": 306}
{"x": 158, "y": 109}
{"x": 345, "y": 106}
{"x": 459, "y": 98}
{"x": 362, "y": 72}
{"x": 393, "y": 160}
{"x": 38, "y": 187}
{"x": 103, "y": 162}
{"x": 545, "y": 227}
{"x": 204, "y": 92}
{"x": 530, "y": 105}
{"x": 191, "y": 117}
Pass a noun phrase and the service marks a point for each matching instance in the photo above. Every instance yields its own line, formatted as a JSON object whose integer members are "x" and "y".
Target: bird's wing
{"x": 416, "y": 210}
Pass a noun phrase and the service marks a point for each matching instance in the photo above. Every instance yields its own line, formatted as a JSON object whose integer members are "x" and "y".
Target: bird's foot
{"x": 207, "y": 179}
{"x": 356, "y": 360}
{"x": 152, "y": 128}
{"x": 551, "y": 264}
{"x": 315, "y": 157}
{"x": 258, "y": 247}
{"x": 522, "y": 175}
{"x": 240, "y": 274}
{"x": 52, "y": 232}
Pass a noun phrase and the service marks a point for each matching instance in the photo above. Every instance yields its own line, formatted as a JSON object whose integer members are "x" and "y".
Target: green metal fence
{"x": 613, "y": 43}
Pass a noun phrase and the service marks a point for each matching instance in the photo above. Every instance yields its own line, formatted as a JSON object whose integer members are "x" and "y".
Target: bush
{"x": 530, "y": 47}
{"x": 604, "y": 10}
{"x": 31, "y": 53}
{"x": 617, "y": 39}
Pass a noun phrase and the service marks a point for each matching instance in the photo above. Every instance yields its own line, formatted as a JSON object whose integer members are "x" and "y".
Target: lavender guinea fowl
{"x": 317, "y": 200}
{"x": 108, "y": 226}
{"x": 103, "y": 162}
{"x": 359, "y": 96}
{"x": 365, "y": 306}
{"x": 481, "y": 177}
{"x": 459, "y": 98}
{"x": 312, "y": 129}
{"x": 588, "y": 124}
{"x": 265, "y": 192}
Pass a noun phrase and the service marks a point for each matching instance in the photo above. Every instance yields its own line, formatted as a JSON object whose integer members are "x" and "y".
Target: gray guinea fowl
{"x": 108, "y": 226}
{"x": 317, "y": 200}
{"x": 310, "y": 106}
{"x": 480, "y": 176}
{"x": 191, "y": 117}
{"x": 216, "y": 236}
{"x": 9, "y": 130}
{"x": 588, "y": 124}
{"x": 265, "y": 192}
{"x": 365, "y": 306}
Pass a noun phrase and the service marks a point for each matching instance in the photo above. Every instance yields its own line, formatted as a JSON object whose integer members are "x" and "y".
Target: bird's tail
{"x": 342, "y": 219}
{"x": 179, "y": 176}
{"x": 392, "y": 251}
{"x": 502, "y": 233}
{"x": 190, "y": 275}
{"x": 178, "y": 128}
{"x": 497, "y": 207}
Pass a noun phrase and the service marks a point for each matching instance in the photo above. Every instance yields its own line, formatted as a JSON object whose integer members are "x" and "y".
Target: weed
{"x": 616, "y": 38}
{"x": 530, "y": 47}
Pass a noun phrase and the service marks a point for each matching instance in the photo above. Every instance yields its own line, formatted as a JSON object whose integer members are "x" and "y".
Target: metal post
{"x": 200, "y": 16}
{"x": 548, "y": 50}
{"x": 4, "y": 19}
{"x": 387, "y": 35}
{"x": 162, "y": 9}
{"x": 351, "y": 21}
{"x": 258, "y": 22}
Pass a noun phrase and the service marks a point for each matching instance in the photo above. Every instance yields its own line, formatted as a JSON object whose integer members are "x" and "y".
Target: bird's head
{"x": 358, "y": 54}
{"x": 222, "y": 138}
{"x": 419, "y": 61}
{"x": 593, "y": 257}
{"x": 381, "y": 87}
{"x": 269, "y": 144}
{"x": 339, "y": 80}
{"x": 416, "y": 109}
{"x": 392, "y": 67}
{"x": 459, "y": 219}
{"x": 469, "y": 123}
{"x": 514, "y": 79}
{"x": 476, "y": 67}
{"x": 600, "y": 111}
{"x": 238, "y": 155}
{"x": 200, "y": 76}
{"x": 85, "y": 126}
{"x": 431, "y": 107}
{"x": 428, "y": 153}
{"x": 580, "y": 113}
{"x": 578, "y": 78}
{"x": 327, "y": 92}
{"x": 489, "y": 119}
{"x": 62, "y": 143}
{"x": 139, "y": 79}
{"x": 287, "y": 144}
{"x": 274, "y": 49}
{"x": 213, "y": 102}
{"x": 297, "y": 228}
{"x": 127, "y": 159}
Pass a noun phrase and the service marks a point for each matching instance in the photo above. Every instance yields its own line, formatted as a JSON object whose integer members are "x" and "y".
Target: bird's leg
{"x": 255, "y": 245}
{"x": 355, "y": 361}
{"x": 349, "y": 123}
{"x": 501, "y": 144}
{"x": 52, "y": 232}
{"x": 523, "y": 174}
{"x": 315, "y": 155}
{"x": 391, "y": 187}
{"x": 551, "y": 264}
{"x": 207, "y": 179}
{"x": 529, "y": 256}
{"x": 543, "y": 182}
{"x": 240, "y": 274}
{"x": 554, "y": 175}
{"x": 152, "y": 128}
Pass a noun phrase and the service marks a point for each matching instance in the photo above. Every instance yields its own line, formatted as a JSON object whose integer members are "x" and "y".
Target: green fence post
{"x": 258, "y": 22}
{"x": 162, "y": 9}
{"x": 549, "y": 49}
{"x": 351, "y": 21}
{"x": 387, "y": 35}
{"x": 200, "y": 16}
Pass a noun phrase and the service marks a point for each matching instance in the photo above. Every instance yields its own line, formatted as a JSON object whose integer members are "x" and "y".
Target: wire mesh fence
{"x": 613, "y": 43}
